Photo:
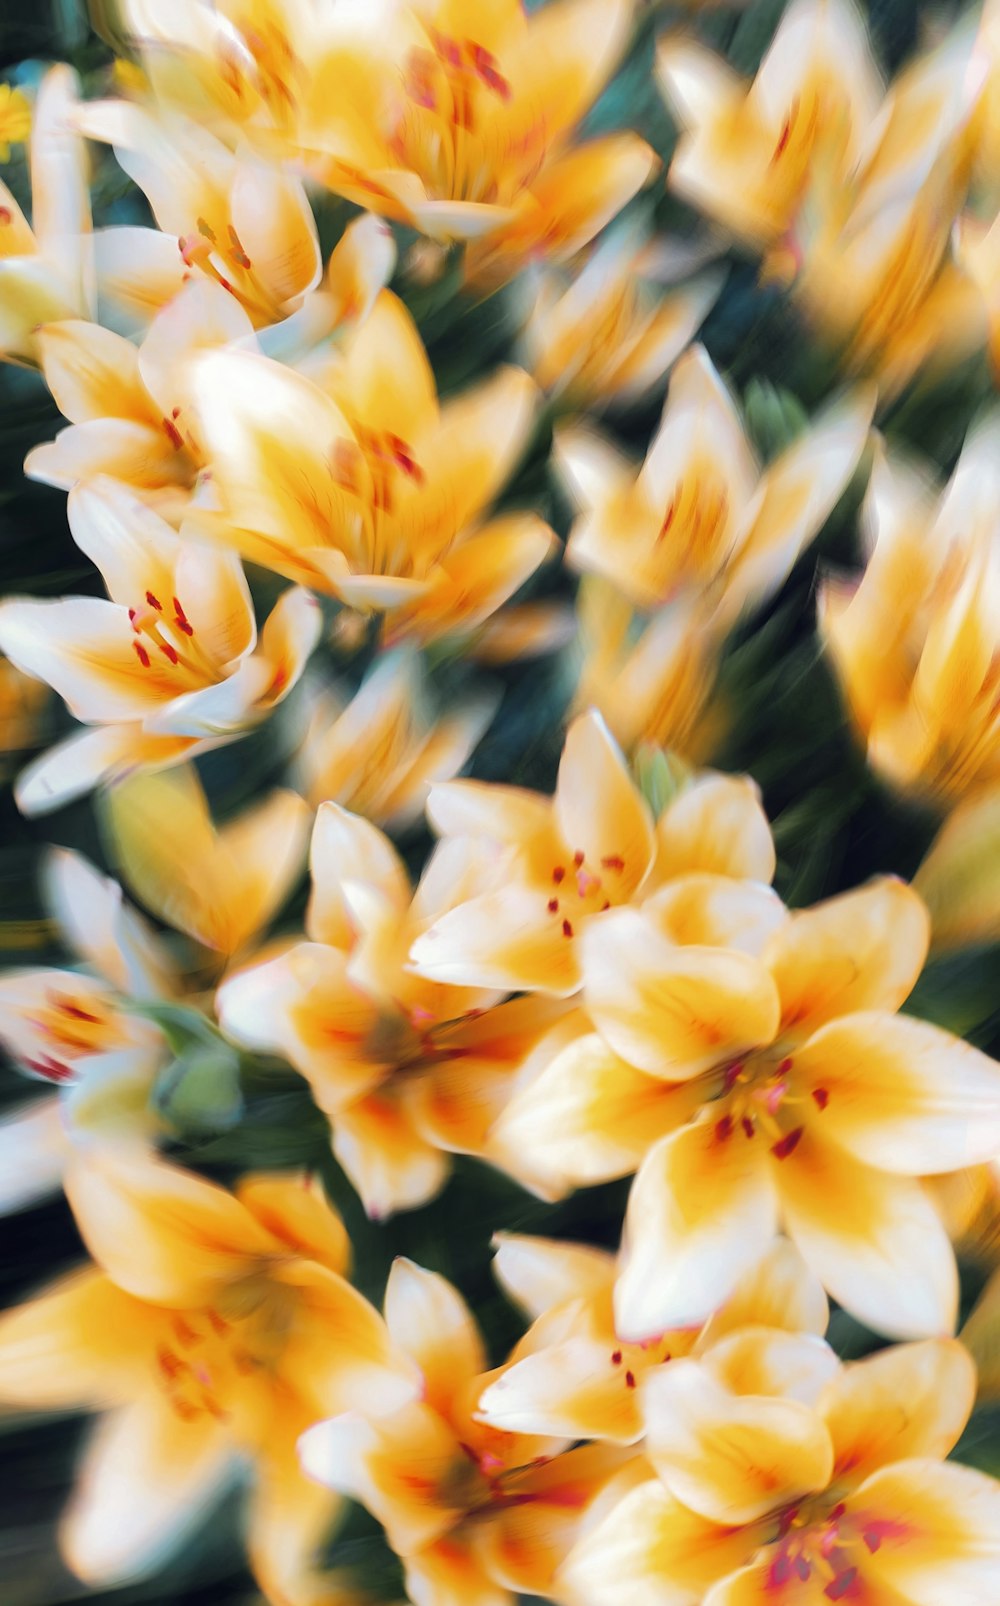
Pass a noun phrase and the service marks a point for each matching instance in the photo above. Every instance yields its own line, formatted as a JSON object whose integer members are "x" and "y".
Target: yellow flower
{"x": 559, "y": 862}
{"x": 360, "y": 485}
{"x": 457, "y": 117}
{"x": 21, "y": 704}
{"x": 46, "y": 269}
{"x": 169, "y": 666}
{"x": 407, "y": 1070}
{"x": 214, "y": 1328}
{"x": 130, "y": 408}
{"x": 220, "y": 886}
{"x": 15, "y": 120}
{"x": 609, "y": 335}
{"x": 793, "y": 1092}
{"x": 914, "y": 641}
{"x": 700, "y": 516}
{"x": 786, "y": 1479}
{"x": 475, "y": 1513}
{"x": 378, "y": 754}
{"x": 573, "y": 1377}
{"x": 72, "y": 1030}
{"x": 747, "y": 151}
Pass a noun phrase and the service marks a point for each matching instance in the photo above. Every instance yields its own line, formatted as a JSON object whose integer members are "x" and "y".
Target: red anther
{"x": 616, "y": 1358}
{"x": 553, "y": 906}
{"x": 141, "y": 654}
{"x": 630, "y": 1380}
{"x": 724, "y": 1128}
{"x": 747, "y": 1124}
{"x": 169, "y": 1363}
{"x": 181, "y": 619}
{"x": 837, "y": 1512}
{"x": 558, "y": 874}
{"x": 485, "y": 66}
{"x": 612, "y": 861}
{"x": 821, "y": 1097}
{"x": 78, "y": 1013}
{"x": 169, "y": 652}
{"x": 733, "y": 1074}
{"x": 785, "y": 1146}
{"x": 131, "y": 619}
{"x": 52, "y": 1070}
{"x": 567, "y": 929}
{"x": 218, "y": 1325}
{"x": 174, "y": 435}
{"x": 872, "y": 1539}
{"x": 175, "y": 412}
{"x": 154, "y": 602}
{"x": 448, "y": 49}
{"x": 785, "y": 1066}
{"x": 225, "y": 284}
{"x": 605, "y": 905}
{"x": 783, "y": 138}
{"x": 183, "y": 1332}
{"x": 803, "y": 1568}
{"x": 578, "y": 859}
{"x": 668, "y": 519}
{"x": 6, "y": 215}
{"x": 840, "y": 1585}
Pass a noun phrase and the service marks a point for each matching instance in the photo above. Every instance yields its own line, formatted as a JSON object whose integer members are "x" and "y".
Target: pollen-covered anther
{"x": 788, "y": 1144}
{"x": 141, "y": 654}
{"x": 567, "y": 929}
{"x": 487, "y": 70}
{"x": 236, "y": 251}
{"x": 181, "y": 619}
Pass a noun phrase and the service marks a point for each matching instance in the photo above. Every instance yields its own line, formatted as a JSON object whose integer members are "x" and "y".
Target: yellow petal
{"x": 673, "y": 1012}
{"x": 701, "y": 1207}
{"x": 778, "y": 1291}
{"x": 861, "y": 950}
{"x": 390, "y": 1164}
{"x": 346, "y": 847}
{"x": 600, "y": 811}
{"x": 296, "y": 1212}
{"x": 386, "y": 382}
{"x": 274, "y": 224}
{"x": 290, "y": 1515}
{"x": 505, "y": 940}
{"x": 910, "y": 1400}
{"x": 938, "y": 1532}
{"x": 728, "y": 1457}
{"x": 717, "y": 912}
{"x": 80, "y": 1342}
{"x": 571, "y": 1389}
{"x": 428, "y": 1318}
{"x": 538, "y": 1273}
{"x": 91, "y": 372}
{"x": 958, "y": 878}
{"x": 762, "y": 1361}
{"x": 717, "y": 825}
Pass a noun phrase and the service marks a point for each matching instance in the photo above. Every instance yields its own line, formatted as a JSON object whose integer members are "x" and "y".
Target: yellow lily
{"x": 652, "y": 682}
{"x": 169, "y": 666}
{"x": 221, "y": 886}
{"x": 46, "y": 269}
{"x": 15, "y": 119}
{"x": 794, "y": 1094}
{"x": 457, "y": 119}
{"x": 129, "y": 408}
{"x": 610, "y": 334}
{"x": 476, "y": 1513}
{"x": 914, "y": 641}
{"x": 361, "y": 486}
{"x": 72, "y": 1030}
{"x": 701, "y": 516}
{"x": 213, "y": 1329}
{"x": 407, "y": 1071}
{"x": 240, "y": 221}
{"x": 958, "y": 877}
{"x": 786, "y": 1479}
{"x": 378, "y": 754}
{"x": 747, "y": 149}
{"x": 559, "y": 862}
{"x": 576, "y": 1378}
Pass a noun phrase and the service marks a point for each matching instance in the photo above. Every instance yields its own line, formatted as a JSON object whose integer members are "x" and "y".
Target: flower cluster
{"x": 405, "y": 432}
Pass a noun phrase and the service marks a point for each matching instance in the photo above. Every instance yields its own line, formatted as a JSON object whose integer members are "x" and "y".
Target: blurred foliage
{"x": 833, "y": 823}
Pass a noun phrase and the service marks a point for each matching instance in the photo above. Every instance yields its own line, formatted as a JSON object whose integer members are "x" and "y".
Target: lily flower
{"x": 408, "y": 1071}
{"x": 914, "y": 640}
{"x": 221, "y": 886}
{"x": 460, "y": 124}
{"x": 243, "y": 223}
{"x": 169, "y": 666}
{"x": 212, "y": 1330}
{"x": 45, "y": 268}
{"x": 795, "y": 1094}
{"x": 73, "y": 1030}
{"x": 575, "y": 1377}
{"x": 15, "y": 119}
{"x": 378, "y": 754}
{"x": 129, "y": 409}
{"x": 701, "y": 516}
{"x": 562, "y": 861}
{"x": 785, "y": 1477}
{"x": 363, "y": 487}
{"x": 609, "y": 335}
{"x": 475, "y": 1513}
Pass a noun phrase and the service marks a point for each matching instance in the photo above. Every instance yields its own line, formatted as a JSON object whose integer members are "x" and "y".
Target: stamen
{"x": 613, "y": 861}
{"x": 578, "y": 859}
{"x": 747, "y": 1124}
{"x": 558, "y": 874}
{"x": 567, "y": 929}
{"x": 553, "y": 906}
{"x": 616, "y": 1358}
{"x": 141, "y": 654}
{"x": 203, "y": 228}
{"x": 821, "y": 1097}
{"x": 153, "y": 602}
{"x": 786, "y": 1145}
{"x": 840, "y": 1586}
{"x": 630, "y": 1380}
{"x": 724, "y": 1128}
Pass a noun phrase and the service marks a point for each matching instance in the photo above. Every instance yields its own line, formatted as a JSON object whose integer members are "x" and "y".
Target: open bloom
{"x": 458, "y": 119}
{"x": 609, "y": 334}
{"x": 573, "y": 1376}
{"x": 561, "y": 861}
{"x": 168, "y": 666}
{"x": 378, "y": 754}
{"x": 747, "y": 149}
{"x": 796, "y": 1095}
{"x": 476, "y": 1513}
{"x": 45, "y": 268}
{"x": 914, "y": 640}
{"x": 362, "y": 486}
{"x": 786, "y": 1479}
{"x": 700, "y": 516}
{"x": 129, "y": 408}
{"x": 406, "y": 1069}
{"x": 213, "y": 1329}
{"x": 72, "y": 1030}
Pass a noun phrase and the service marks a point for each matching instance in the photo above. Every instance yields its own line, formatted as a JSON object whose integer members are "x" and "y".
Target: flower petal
{"x": 571, "y": 1390}
{"x": 778, "y": 1291}
{"x": 428, "y": 1318}
{"x": 909, "y": 1400}
{"x": 938, "y": 1530}
{"x": 599, "y": 809}
{"x": 538, "y": 1273}
{"x": 717, "y": 825}
{"x": 390, "y": 1164}
{"x": 701, "y": 1206}
{"x": 711, "y": 911}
